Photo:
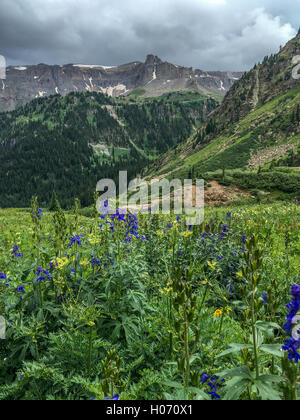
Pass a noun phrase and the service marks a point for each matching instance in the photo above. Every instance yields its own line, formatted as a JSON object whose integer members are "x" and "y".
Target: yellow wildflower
{"x": 61, "y": 262}
{"x": 84, "y": 262}
{"x": 93, "y": 239}
{"x": 218, "y": 313}
{"x": 186, "y": 234}
{"x": 212, "y": 265}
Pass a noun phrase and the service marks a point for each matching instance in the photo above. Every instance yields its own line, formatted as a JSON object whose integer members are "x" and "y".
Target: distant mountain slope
{"x": 25, "y": 83}
{"x": 258, "y": 122}
{"x": 69, "y": 143}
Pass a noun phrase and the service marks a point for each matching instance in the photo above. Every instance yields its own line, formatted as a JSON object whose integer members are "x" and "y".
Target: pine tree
{"x": 224, "y": 174}
{"x": 54, "y": 203}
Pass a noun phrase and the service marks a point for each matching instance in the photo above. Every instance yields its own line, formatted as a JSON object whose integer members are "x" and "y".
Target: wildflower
{"x": 212, "y": 383}
{"x": 95, "y": 262}
{"x": 167, "y": 290}
{"x": 75, "y": 240}
{"x": 225, "y": 228}
{"x": 212, "y": 265}
{"x": 218, "y": 313}
{"x": 292, "y": 345}
{"x": 84, "y": 262}
{"x": 186, "y": 234}
{"x": 205, "y": 378}
{"x": 15, "y": 253}
{"x": 93, "y": 239}
{"x": 230, "y": 286}
{"x": 265, "y": 298}
{"x": 61, "y": 262}
{"x": 39, "y": 214}
{"x": 115, "y": 397}
{"x": 42, "y": 275}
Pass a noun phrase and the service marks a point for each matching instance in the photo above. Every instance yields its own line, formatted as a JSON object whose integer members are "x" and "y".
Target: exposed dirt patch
{"x": 220, "y": 194}
{"x": 216, "y": 194}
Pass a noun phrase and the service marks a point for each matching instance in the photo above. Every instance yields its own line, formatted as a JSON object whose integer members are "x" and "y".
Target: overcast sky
{"x": 205, "y": 34}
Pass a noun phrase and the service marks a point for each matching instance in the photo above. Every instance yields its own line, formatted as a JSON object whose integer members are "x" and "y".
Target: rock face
{"x": 23, "y": 84}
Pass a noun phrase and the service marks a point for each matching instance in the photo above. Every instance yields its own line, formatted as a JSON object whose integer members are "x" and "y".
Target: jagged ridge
{"x": 156, "y": 77}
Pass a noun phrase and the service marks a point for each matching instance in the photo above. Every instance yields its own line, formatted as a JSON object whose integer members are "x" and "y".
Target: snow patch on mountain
{"x": 93, "y": 66}
{"x": 154, "y": 76}
{"x": 114, "y": 90}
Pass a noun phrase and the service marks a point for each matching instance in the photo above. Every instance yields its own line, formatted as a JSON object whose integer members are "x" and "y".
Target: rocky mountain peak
{"x": 152, "y": 60}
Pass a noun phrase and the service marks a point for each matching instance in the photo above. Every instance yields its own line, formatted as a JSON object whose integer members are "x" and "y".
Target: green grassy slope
{"x": 257, "y": 124}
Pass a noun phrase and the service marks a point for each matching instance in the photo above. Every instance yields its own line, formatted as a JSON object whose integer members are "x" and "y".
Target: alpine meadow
{"x": 111, "y": 302}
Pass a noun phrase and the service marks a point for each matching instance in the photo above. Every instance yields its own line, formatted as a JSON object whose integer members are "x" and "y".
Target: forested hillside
{"x": 68, "y": 143}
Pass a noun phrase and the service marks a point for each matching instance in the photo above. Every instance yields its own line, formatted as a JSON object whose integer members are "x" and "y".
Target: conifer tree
{"x": 54, "y": 203}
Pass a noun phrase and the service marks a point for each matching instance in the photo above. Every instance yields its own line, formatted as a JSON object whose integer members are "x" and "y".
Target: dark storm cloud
{"x": 208, "y": 34}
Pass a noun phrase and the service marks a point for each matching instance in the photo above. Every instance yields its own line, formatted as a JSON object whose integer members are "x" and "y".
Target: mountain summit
{"x": 154, "y": 77}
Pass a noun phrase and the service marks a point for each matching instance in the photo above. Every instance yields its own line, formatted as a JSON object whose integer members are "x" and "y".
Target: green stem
{"x": 90, "y": 351}
{"x": 254, "y": 333}
{"x": 204, "y": 298}
{"x": 37, "y": 352}
{"x": 221, "y": 324}
{"x": 186, "y": 347}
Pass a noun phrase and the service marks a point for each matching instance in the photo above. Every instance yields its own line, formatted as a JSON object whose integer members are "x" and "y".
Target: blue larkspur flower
{"x": 42, "y": 275}
{"x": 292, "y": 344}
{"x": 115, "y": 397}
{"x": 95, "y": 262}
{"x": 15, "y": 253}
{"x": 230, "y": 286}
{"x": 212, "y": 382}
{"x": 265, "y": 298}
{"x": 76, "y": 240}
{"x": 39, "y": 214}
